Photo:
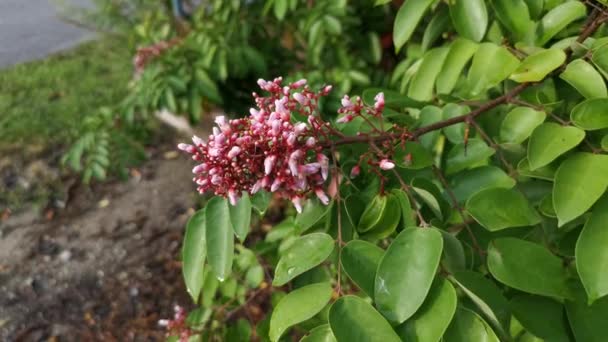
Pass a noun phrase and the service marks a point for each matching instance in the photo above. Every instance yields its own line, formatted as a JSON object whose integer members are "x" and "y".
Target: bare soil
{"x": 102, "y": 264}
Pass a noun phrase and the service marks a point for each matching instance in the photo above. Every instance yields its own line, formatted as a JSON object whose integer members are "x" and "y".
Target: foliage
{"x": 471, "y": 209}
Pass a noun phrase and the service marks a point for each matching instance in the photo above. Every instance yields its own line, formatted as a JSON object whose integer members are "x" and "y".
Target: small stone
{"x": 65, "y": 256}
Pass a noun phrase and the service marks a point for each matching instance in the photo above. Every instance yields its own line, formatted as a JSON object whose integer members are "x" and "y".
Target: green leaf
{"x": 240, "y": 216}
{"x": 476, "y": 151}
{"x": 514, "y": 15}
{"x": 557, "y": 19}
{"x": 585, "y": 79}
{"x": 486, "y": 296}
{"x": 428, "y": 116}
{"x": 434, "y": 316}
{"x": 600, "y": 59}
{"x": 528, "y": 267}
{"x": 550, "y": 140}
{"x": 373, "y": 213}
{"x": 453, "y": 258}
{"x": 461, "y": 51}
{"x": 193, "y": 254}
{"x": 407, "y": 213}
{"x": 588, "y": 322}
{"x": 220, "y": 237}
{"x": 454, "y": 133}
{"x": 538, "y": 65}
{"x": 416, "y": 253}
{"x": 467, "y": 183}
{"x": 467, "y": 326}
{"x": 499, "y": 208}
{"x": 543, "y": 317}
{"x": 436, "y": 27}
{"x": 391, "y": 215}
{"x": 311, "y": 214}
{"x": 590, "y": 114}
{"x": 546, "y": 172}
{"x": 579, "y": 182}
{"x": 322, "y": 333}
{"x": 470, "y": 18}
{"x": 491, "y": 65}
{"x": 360, "y": 260}
{"x": 354, "y": 320}
{"x": 519, "y": 124}
{"x": 306, "y": 252}
{"x": 407, "y": 19}
{"x": 260, "y": 201}
{"x": 592, "y": 254}
{"x": 412, "y": 155}
{"x": 423, "y": 82}
{"x": 392, "y": 99}
{"x": 280, "y": 9}
{"x": 298, "y": 306}
{"x": 430, "y": 200}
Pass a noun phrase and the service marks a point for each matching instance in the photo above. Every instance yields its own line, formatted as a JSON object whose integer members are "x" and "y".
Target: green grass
{"x": 45, "y": 102}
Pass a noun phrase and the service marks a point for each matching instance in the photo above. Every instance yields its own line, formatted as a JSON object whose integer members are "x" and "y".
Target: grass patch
{"x": 45, "y": 102}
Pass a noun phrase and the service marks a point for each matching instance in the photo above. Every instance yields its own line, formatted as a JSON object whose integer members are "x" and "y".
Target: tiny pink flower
{"x": 310, "y": 142}
{"x": 379, "y": 102}
{"x": 345, "y": 119}
{"x": 303, "y": 100}
{"x": 269, "y": 163}
{"x": 198, "y": 169}
{"x": 198, "y": 141}
{"x": 324, "y": 161}
{"x": 386, "y": 164}
{"x": 234, "y": 151}
{"x": 186, "y": 148}
{"x": 355, "y": 171}
{"x": 298, "y": 84}
{"x": 233, "y": 197}
{"x": 346, "y": 103}
{"x": 322, "y": 196}
{"x": 297, "y": 203}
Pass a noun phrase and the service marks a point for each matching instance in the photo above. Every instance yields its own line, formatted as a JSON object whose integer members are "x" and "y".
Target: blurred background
{"x": 94, "y": 96}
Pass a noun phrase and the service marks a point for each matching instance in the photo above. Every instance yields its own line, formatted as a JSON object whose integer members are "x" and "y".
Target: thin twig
{"x": 496, "y": 147}
{"x": 336, "y": 176}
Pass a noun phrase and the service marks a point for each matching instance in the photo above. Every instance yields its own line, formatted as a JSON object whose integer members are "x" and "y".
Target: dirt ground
{"x": 100, "y": 264}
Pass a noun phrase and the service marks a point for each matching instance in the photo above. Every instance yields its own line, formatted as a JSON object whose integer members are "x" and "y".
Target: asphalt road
{"x": 31, "y": 29}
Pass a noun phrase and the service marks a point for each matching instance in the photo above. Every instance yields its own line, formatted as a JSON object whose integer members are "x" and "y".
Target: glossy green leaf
{"x": 372, "y": 215}
{"x": 416, "y": 253}
{"x": 579, "y": 182}
{"x": 408, "y": 17}
{"x": 585, "y": 79}
{"x": 298, "y": 306}
{"x": 322, "y": 333}
{"x": 557, "y": 19}
{"x": 592, "y": 254}
{"x": 193, "y": 254}
{"x": 430, "y": 200}
{"x": 454, "y": 133}
{"x": 546, "y": 172}
{"x": 434, "y": 316}
{"x": 588, "y": 322}
{"x": 491, "y": 65}
{"x": 306, "y": 252}
{"x": 392, "y": 99}
{"x": 461, "y": 51}
{"x": 600, "y": 59}
{"x": 470, "y": 18}
{"x": 519, "y": 124}
{"x": 437, "y": 26}
{"x": 476, "y": 151}
{"x": 280, "y": 9}
{"x": 514, "y": 15}
{"x": 538, "y": 65}
{"x": 354, "y": 320}
{"x": 453, "y": 258}
{"x": 428, "y": 116}
{"x": 360, "y": 260}
{"x": 486, "y": 296}
{"x": 412, "y": 155}
{"x": 240, "y": 216}
{"x": 542, "y": 316}
{"x": 590, "y": 114}
{"x": 499, "y": 208}
{"x": 467, "y": 326}
{"x": 528, "y": 267}
{"x": 466, "y": 183}
{"x": 407, "y": 213}
{"x": 389, "y": 220}
{"x": 260, "y": 201}
{"x": 219, "y": 236}
{"x": 423, "y": 82}
{"x": 311, "y": 214}
{"x": 550, "y": 140}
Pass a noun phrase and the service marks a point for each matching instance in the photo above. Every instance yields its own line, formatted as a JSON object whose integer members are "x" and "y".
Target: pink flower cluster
{"x": 177, "y": 324}
{"x": 268, "y": 149}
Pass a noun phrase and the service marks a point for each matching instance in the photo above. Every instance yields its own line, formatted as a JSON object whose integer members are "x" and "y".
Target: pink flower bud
{"x": 310, "y": 142}
{"x": 299, "y": 127}
{"x": 198, "y": 169}
{"x": 275, "y": 185}
{"x": 256, "y": 187}
{"x": 216, "y": 131}
{"x": 355, "y": 171}
{"x": 379, "y": 102}
{"x": 324, "y": 161}
{"x": 386, "y": 164}
{"x": 214, "y": 152}
{"x": 297, "y": 203}
{"x": 198, "y": 141}
{"x": 303, "y": 100}
{"x": 346, "y": 103}
{"x": 234, "y": 152}
{"x": 233, "y": 197}
{"x": 327, "y": 89}
{"x": 346, "y": 118}
{"x": 186, "y": 147}
{"x": 220, "y": 120}
{"x": 298, "y": 84}
{"x": 216, "y": 179}
{"x": 322, "y": 196}
{"x": 269, "y": 163}
{"x": 309, "y": 169}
